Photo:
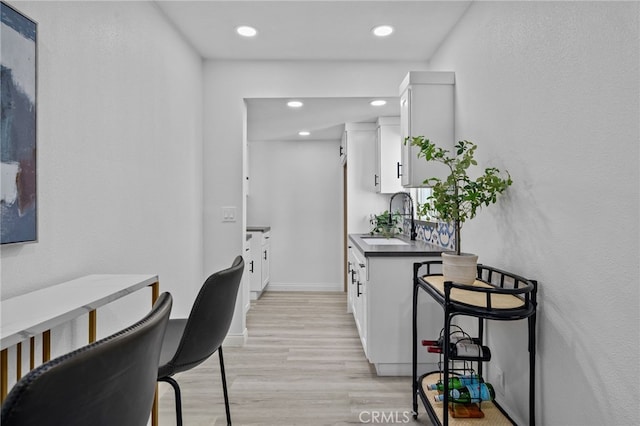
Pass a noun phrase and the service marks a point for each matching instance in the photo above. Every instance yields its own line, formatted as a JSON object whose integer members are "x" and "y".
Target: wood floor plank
{"x": 303, "y": 364}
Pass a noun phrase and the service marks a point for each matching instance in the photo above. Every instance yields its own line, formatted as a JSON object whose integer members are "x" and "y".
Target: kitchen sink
{"x": 381, "y": 241}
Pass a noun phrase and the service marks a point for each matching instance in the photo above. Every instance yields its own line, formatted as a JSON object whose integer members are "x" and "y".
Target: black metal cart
{"x": 495, "y": 295}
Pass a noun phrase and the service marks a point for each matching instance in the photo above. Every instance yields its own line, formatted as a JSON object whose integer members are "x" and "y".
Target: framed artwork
{"x": 18, "y": 195}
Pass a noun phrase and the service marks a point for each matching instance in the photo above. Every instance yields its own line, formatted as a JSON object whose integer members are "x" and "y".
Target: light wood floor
{"x": 302, "y": 365}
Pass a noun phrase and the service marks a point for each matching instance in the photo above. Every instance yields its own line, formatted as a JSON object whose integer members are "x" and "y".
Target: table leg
{"x": 4, "y": 369}
{"x": 155, "y": 293}
{"x": 46, "y": 346}
{"x": 154, "y": 410}
{"x": 18, "y": 361}
{"x": 32, "y": 353}
{"x": 93, "y": 318}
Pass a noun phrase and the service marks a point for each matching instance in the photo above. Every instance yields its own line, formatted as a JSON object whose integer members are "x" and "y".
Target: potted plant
{"x": 386, "y": 224}
{"x": 458, "y": 198}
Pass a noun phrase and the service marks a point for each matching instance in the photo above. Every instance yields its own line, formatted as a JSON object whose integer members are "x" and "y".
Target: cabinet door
{"x": 427, "y": 110}
{"x": 405, "y": 117}
{"x": 362, "y": 200}
{"x": 350, "y": 280}
{"x": 360, "y": 298}
{"x": 388, "y": 156}
{"x": 361, "y": 302}
{"x": 390, "y": 300}
{"x": 255, "y": 267}
{"x": 246, "y": 277}
{"x": 343, "y": 148}
{"x": 376, "y": 177}
{"x": 266, "y": 261}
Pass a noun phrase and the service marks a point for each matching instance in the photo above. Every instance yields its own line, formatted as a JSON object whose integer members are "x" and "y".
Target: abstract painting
{"x": 18, "y": 203}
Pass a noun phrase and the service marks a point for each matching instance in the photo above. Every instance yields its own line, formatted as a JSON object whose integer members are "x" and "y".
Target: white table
{"x": 26, "y": 316}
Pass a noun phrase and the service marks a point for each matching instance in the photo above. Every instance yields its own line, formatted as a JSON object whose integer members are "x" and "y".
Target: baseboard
{"x": 304, "y": 287}
{"x": 236, "y": 340}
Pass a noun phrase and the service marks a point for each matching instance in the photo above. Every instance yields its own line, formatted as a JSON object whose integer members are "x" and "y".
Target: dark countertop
{"x": 258, "y": 228}
{"x": 414, "y": 248}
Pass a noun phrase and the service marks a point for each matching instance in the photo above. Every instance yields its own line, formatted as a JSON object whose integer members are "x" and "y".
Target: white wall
{"x": 549, "y": 90}
{"x": 119, "y": 156}
{"x": 227, "y": 84}
{"x": 296, "y": 188}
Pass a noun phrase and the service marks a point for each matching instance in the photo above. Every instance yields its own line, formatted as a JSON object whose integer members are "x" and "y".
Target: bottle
{"x": 474, "y": 393}
{"x": 468, "y": 349}
{"x": 457, "y": 382}
{"x": 454, "y": 337}
{"x": 463, "y": 349}
{"x": 436, "y": 346}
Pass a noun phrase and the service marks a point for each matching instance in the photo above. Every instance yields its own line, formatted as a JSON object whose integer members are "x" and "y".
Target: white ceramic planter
{"x": 459, "y": 268}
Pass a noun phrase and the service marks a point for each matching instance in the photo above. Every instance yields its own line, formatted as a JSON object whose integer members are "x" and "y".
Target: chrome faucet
{"x": 414, "y": 234}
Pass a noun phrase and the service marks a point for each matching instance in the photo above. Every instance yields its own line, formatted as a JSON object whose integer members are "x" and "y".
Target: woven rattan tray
{"x": 498, "y": 301}
{"x": 492, "y": 415}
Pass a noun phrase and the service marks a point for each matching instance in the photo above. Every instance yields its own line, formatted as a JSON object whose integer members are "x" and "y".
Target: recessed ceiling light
{"x": 382, "y": 30}
{"x": 246, "y": 31}
{"x": 294, "y": 104}
{"x": 304, "y": 133}
{"x": 378, "y": 102}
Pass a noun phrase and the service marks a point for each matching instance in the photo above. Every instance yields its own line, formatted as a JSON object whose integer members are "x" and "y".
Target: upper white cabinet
{"x": 343, "y": 147}
{"x": 362, "y": 200}
{"x": 426, "y": 109}
{"x": 387, "y": 178}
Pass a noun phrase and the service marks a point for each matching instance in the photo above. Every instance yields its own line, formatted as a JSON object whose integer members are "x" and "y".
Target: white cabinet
{"x": 381, "y": 297}
{"x": 387, "y": 178}
{"x": 266, "y": 259}
{"x": 246, "y": 182}
{"x": 350, "y": 278}
{"x": 238, "y": 328}
{"x": 343, "y": 147}
{"x": 246, "y": 276}
{"x": 362, "y": 200}
{"x": 426, "y": 109}
{"x": 259, "y": 268}
{"x": 359, "y": 295}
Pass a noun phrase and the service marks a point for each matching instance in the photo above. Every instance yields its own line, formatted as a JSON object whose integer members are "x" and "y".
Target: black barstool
{"x": 190, "y": 341}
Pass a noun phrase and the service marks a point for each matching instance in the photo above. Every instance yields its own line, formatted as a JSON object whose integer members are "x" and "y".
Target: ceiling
{"x": 272, "y": 120}
{"x": 315, "y": 30}
{"x": 308, "y": 30}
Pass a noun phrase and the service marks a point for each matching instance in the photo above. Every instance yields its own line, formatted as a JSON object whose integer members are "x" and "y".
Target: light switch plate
{"x": 229, "y": 214}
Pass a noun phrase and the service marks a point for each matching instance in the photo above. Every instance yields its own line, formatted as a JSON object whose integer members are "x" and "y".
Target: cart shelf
{"x": 493, "y": 414}
{"x": 495, "y": 295}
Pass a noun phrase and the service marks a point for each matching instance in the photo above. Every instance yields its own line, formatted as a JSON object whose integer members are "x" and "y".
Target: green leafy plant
{"x": 386, "y": 224}
{"x": 458, "y": 198}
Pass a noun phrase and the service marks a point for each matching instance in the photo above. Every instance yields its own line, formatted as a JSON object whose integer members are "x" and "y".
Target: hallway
{"x": 303, "y": 364}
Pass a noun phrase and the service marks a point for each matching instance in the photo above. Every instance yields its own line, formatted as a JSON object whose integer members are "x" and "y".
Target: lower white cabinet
{"x": 246, "y": 277}
{"x": 259, "y": 267}
{"x": 358, "y": 293}
{"x": 265, "y": 260}
{"x": 381, "y": 296}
